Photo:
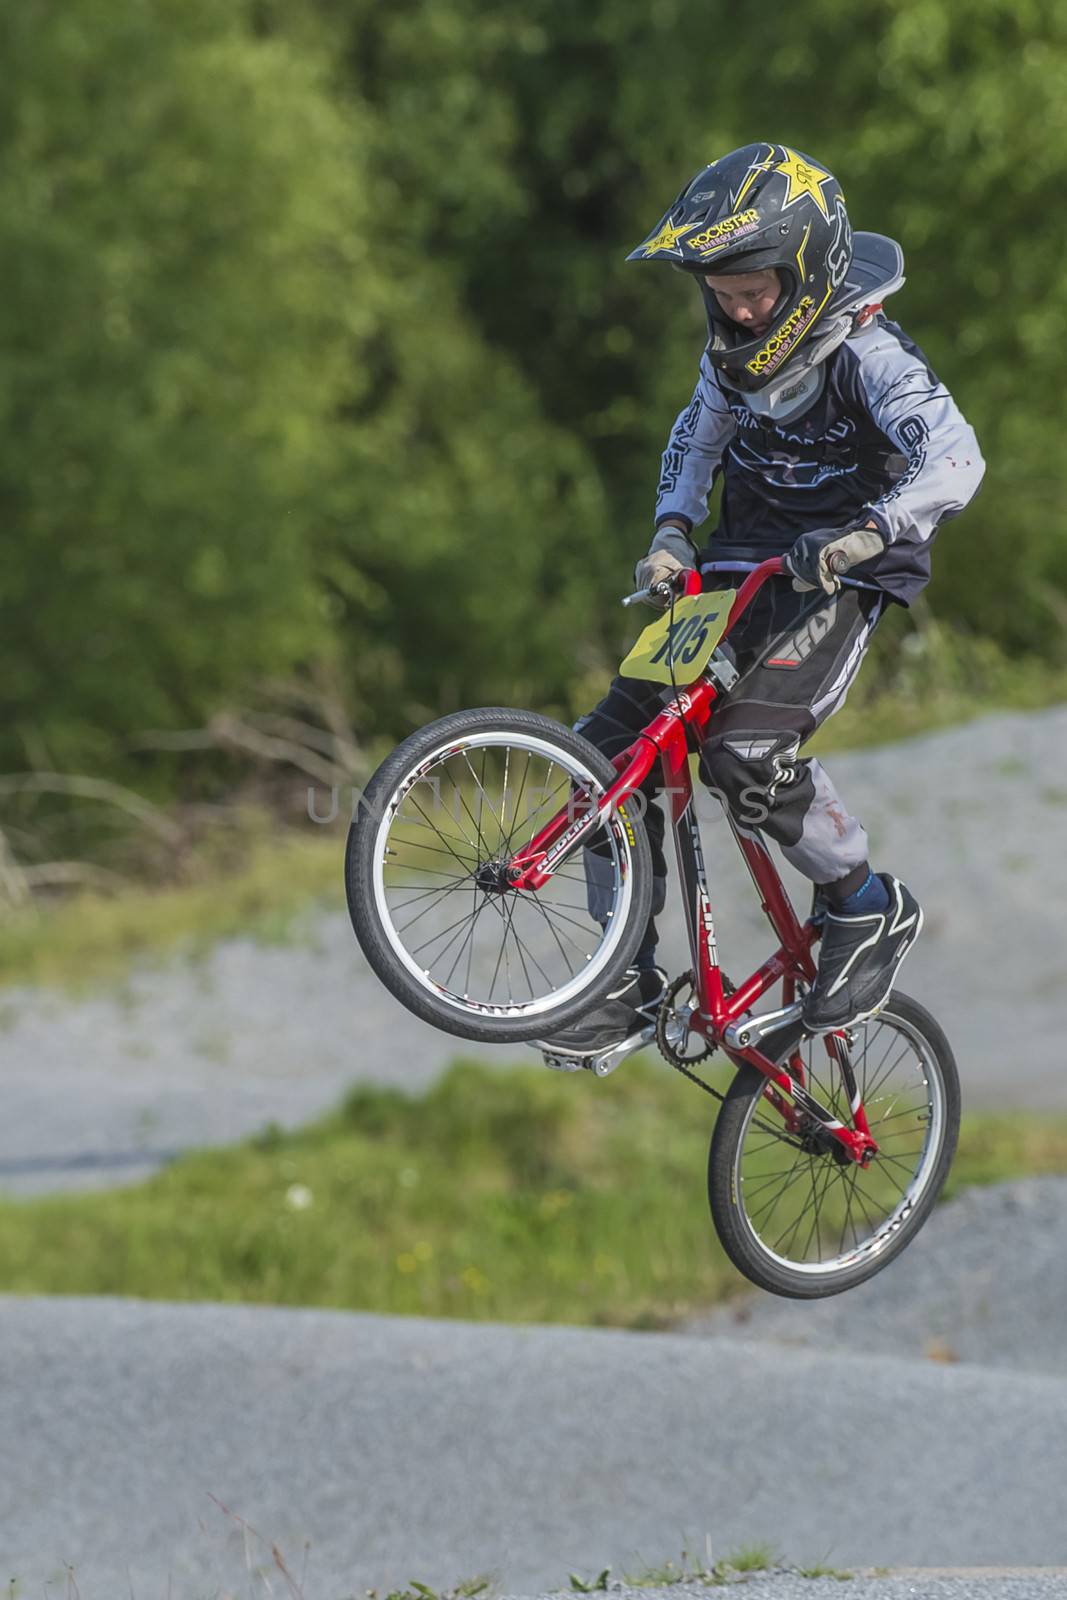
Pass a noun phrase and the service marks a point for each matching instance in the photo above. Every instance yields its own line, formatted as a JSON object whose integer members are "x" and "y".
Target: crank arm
{"x": 755, "y": 1033}
{"x": 599, "y": 1062}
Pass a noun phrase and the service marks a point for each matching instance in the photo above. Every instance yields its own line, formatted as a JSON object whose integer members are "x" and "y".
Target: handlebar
{"x": 690, "y": 582}
{"x": 683, "y": 583}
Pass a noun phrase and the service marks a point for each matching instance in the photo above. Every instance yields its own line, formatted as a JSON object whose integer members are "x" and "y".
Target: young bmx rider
{"x": 839, "y": 449}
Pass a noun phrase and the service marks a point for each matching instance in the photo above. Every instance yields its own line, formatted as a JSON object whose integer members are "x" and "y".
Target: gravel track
{"x": 985, "y": 1282}
{"x": 102, "y": 1091}
{"x": 1049, "y": 1583}
{"x": 408, "y": 1449}
{"x": 920, "y": 1419}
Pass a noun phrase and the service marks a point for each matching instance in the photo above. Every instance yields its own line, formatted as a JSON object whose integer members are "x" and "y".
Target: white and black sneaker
{"x": 859, "y": 959}
{"x": 620, "y": 1017}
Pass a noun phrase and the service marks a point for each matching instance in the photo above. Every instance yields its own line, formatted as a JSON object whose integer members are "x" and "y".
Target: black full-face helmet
{"x": 761, "y": 207}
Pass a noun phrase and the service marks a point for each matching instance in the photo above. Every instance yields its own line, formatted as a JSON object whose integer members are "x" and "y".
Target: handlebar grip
{"x": 686, "y": 581}
{"x": 838, "y": 563}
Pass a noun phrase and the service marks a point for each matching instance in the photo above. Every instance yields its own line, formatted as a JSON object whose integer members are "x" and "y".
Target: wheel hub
{"x": 817, "y": 1141}
{"x": 493, "y": 877}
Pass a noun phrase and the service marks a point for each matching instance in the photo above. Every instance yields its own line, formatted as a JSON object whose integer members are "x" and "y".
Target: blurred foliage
{"x": 508, "y": 1196}
{"x": 174, "y": 348}
{"x": 274, "y": 881}
{"x": 320, "y": 351}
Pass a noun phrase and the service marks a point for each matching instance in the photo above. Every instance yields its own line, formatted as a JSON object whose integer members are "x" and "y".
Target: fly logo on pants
{"x": 803, "y": 642}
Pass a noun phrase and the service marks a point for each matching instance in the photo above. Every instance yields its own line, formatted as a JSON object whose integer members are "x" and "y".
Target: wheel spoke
{"x": 849, "y": 1185}
{"x": 522, "y": 957}
{"x": 483, "y": 844}
{"x": 465, "y": 942}
{"x": 532, "y": 957}
{"x": 413, "y": 844}
{"x": 458, "y": 883}
{"x": 502, "y": 952}
{"x": 552, "y": 928}
{"x": 884, "y": 1071}
{"x": 430, "y": 872}
{"x": 419, "y": 948}
{"x": 444, "y": 840}
{"x": 551, "y": 909}
{"x": 420, "y": 914}
{"x": 796, "y": 1173}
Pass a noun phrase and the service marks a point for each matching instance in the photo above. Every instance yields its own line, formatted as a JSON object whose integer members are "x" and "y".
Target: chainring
{"x": 666, "y": 1015}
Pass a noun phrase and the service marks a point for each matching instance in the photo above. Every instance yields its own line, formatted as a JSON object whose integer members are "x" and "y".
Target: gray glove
{"x": 818, "y": 558}
{"x": 670, "y": 553}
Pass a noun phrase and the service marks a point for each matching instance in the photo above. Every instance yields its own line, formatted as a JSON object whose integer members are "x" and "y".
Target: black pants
{"x": 796, "y": 654}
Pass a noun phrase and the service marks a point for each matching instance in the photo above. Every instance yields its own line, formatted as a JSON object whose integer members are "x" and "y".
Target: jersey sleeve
{"x": 943, "y": 464}
{"x": 694, "y": 450}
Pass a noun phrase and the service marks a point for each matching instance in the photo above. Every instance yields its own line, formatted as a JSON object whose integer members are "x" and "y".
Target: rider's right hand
{"x": 671, "y": 556}
{"x": 659, "y": 566}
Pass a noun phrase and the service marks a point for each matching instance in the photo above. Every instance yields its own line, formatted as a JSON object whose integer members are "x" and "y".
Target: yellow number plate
{"x": 677, "y": 649}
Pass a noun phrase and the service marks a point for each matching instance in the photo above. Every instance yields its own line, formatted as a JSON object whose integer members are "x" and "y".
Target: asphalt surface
{"x": 104, "y": 1090}
{"x": 406, "y": 1449}
{"x": 918, "y": 1420}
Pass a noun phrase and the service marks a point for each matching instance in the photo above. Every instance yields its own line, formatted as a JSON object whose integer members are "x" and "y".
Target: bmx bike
{"x": 499, "y": 881}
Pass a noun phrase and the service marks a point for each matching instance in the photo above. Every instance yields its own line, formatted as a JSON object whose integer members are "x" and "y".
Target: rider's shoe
{"x": 859, "y": 960}
{"x": 620, "y": 1017}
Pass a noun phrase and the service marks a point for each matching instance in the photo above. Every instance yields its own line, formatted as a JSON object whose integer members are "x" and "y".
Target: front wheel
{"x": 428, "y": 891}
{"x": 792, "y": 1215}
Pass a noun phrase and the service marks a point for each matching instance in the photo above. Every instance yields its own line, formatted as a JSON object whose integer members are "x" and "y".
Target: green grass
{"x": 753, "y": 1558}
{"x": 690, "y": 1570}
{"x": 94, "y": 938}
{"x": 591, "y": 1585}
{"x": 422, "y": 1591}
{"x": 519, "y": 1196}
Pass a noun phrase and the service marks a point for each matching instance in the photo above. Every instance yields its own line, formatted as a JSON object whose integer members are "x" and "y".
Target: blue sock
{"x": 872, "y": 895}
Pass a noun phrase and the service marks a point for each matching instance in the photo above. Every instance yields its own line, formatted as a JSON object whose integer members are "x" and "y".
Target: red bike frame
{"x": 666, "y": 739}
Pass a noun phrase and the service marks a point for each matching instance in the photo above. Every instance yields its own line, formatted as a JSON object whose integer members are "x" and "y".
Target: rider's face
{"x": 747, "y": 298}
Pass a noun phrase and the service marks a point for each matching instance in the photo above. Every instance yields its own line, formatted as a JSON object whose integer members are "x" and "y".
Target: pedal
{"x": 600, "y": 1062}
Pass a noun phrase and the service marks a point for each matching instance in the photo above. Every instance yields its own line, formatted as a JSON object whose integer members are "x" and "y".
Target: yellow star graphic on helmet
{"x": 667, "y": 239}
{"x": 751, "y": 175}
{"x": 803, "y": 179}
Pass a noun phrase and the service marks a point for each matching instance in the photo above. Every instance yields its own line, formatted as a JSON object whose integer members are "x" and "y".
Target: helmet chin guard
{"x": 762, "y": 208}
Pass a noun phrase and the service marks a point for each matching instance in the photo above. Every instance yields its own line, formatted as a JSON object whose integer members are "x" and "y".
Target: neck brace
{"x": 790, "y": 397}
{"x": 876, "y": 272}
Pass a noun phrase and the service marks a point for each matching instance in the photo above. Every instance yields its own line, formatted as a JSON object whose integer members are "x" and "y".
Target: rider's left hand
{"x": 819, "y": 557}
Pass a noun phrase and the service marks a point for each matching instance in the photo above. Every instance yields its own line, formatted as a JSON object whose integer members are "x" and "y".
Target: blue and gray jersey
{"x": 882, "y": 441}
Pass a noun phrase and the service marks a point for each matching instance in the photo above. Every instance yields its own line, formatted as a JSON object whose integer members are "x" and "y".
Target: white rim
{"x": 624, "y": 886}
{"x": 892, "y": 1223}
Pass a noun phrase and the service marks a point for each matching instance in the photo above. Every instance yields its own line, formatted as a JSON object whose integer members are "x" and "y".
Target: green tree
{"x": 243, "y": 429}
{"x": 179, "y": 210}
{"x": 534, "y": 147}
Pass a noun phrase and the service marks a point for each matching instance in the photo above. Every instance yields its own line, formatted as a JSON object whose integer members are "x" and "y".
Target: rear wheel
{"x": 425, "y": 875}
{"x": 792, "y": 1215}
